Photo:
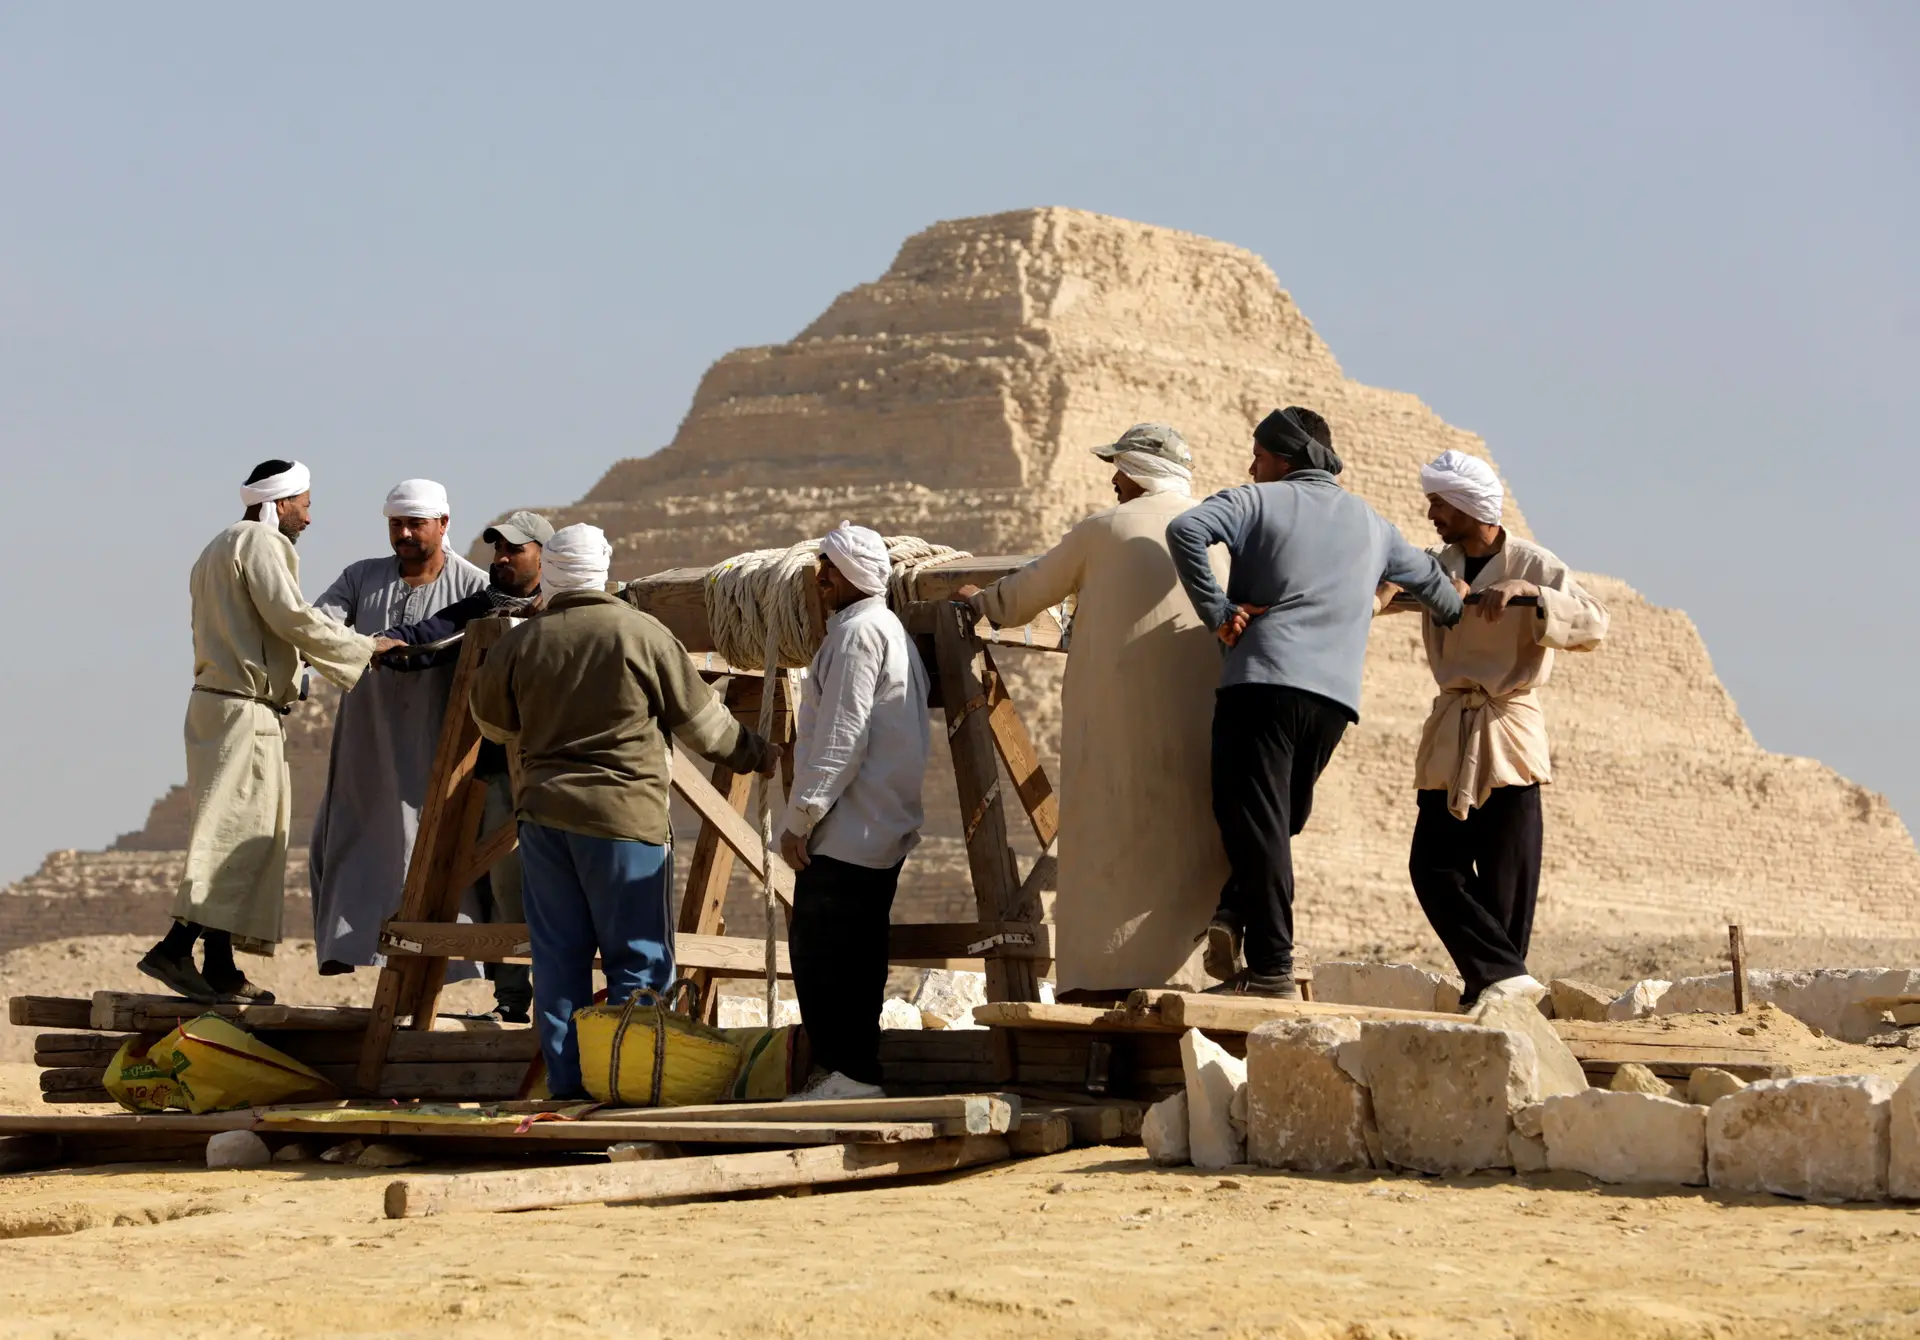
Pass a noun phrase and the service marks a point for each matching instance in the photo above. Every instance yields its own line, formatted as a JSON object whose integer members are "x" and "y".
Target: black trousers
{"x": 1478, "y": 879}
{"x": 1270, "y": 745}
{"x": 838, "y": 946}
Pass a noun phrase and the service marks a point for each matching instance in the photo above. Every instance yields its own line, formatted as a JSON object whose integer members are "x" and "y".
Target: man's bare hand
{"x": 793, "y": 850}
{"x": 383, "y": 645}
{"x": 1493, "y": 600}
{"x": 967, "y": 592}
{"x": 1460, "y": 588}
{"x": 1383, "y": 595}
{"x": 1231, "y": 631}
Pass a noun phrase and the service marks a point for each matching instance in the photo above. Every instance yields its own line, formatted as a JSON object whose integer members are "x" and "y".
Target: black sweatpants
{"x": 1270, "y": 745}
{"x": 838, "y": 946}
{"x": 1478, "y": 879}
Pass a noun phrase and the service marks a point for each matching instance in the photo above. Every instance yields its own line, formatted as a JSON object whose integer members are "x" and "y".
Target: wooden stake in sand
{"x": 1737, "y": 949}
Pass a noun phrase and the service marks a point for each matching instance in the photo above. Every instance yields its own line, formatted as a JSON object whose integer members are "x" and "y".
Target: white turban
{"x": 418, "y": 497}
{"x": 1155, "y": 474}
{"x": 861, "y": 556}
{"x": 576, "y": 559}
{"x": 291, "y": 482}
{"x": 1468, "y": 483}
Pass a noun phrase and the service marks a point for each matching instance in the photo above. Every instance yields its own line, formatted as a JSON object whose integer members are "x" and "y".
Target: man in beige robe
{"x": 251, "y": 630}
{"x": 1140, "y": 861}
{"x": 1483, "y": 756}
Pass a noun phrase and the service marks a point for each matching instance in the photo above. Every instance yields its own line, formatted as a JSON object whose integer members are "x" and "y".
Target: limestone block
{"x": 1305, "y": 1112}
{"x": 380, "y": 1154}
{"x": 1164, "y": 1131}
{"x": 1444, "y": 1093}
{"x": 1627, "y": 1137}
{"x": 1529, "y": 1152}
{"x": 1636, "y": 1078}
{"x": 1817, "y": 1137}
{"x": 294, "y": 1151}
{"x": 1903, "y": 1142}
{"x": 899, "y": 1014}
{"x": 1707, "y": 1085}
{"x": 1578, "y": 1000}
{"x": 1529, "y": 1120}
{"x": 1399, "y": 986}
{"x": 951, "y": 994}
{"x": 1213, "y": 1078}
{"x": 751, "y": 1012}
{"x": 237, "y": 1149}
{"x": 1638, "y": 1000}
{"x": 1831, "y": 999}
{"x": 1559, "y": 1070}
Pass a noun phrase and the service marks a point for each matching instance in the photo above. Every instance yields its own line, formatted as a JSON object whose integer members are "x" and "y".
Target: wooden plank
{"x": 127, "y": 1012}
{"x": 1242, "y": 1014}
{"x": 983, "y": 1114}
{"x": 78, "y": 1096}
{"x": 122, "y": 1123}
{"x": 1612, "y": 1055}
{"x": 506, "y": 942}
{"x": 916, "y": 941}
{"x": 65, "y": 1079}
{"x": 996, "y": 886}
{"x": 428, "y": 977}
{"x": 1032, "y": 1014}
{"x": 1022, "y": 760}
{"x": 712, "y": 865}
{"x": 600, "y": 1134}
{"x": 733, "y": 830}
{"x": 402, "y": 984}
{"x": 1040, "y": 1133}
{"x": 661, "y": 1179}
{"x": 488, "y": 852}
{"x": 49, "y": 1012}
{"x": 450, "y": 1080}
{"x": 1597, "y": 1033}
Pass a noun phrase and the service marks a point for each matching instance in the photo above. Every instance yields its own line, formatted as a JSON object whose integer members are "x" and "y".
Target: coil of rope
{"x": 757, "y": 610}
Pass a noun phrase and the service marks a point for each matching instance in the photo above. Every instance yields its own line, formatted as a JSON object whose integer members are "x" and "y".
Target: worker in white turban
{"x": 854, "y": 810}
{"x": 577, "y": 558}
{"x": 385, "y": 732}
{"x": 1484, "y": 756}
{"x": 861, "y": 556}
{"x": 1467, "y": 483}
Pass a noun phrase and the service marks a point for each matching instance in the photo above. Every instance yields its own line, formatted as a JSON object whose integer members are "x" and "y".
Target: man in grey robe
{"x": 386, "y": 732}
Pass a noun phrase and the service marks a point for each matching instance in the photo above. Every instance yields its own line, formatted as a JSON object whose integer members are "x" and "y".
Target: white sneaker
{"x": 1524, "y": 987}
{"x": 825, "y": 1085}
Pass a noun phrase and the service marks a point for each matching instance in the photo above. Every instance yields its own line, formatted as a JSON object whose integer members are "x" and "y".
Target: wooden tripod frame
{"x": 450, "y": 853}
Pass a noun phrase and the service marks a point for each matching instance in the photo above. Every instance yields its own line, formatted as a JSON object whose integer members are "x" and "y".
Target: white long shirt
{"x": 860, "y": 746}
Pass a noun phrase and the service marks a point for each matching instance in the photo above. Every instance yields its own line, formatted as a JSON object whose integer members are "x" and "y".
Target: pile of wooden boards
{"x": 459, "y": 1059}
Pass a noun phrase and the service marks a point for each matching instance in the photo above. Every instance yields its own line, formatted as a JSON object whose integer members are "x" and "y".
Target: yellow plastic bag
{"x": 766, "y": 1064}
{"x": 641, "y": 1054}
{"x": 209, "y": 1065}
{"x": 139, "y": 1083}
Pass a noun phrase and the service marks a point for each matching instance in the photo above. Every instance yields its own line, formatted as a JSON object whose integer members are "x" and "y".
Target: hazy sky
{"x": 1664, "y": 257}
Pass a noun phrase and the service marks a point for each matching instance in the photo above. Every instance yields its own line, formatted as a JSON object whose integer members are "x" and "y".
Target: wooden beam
{"x": 979, "y": 1113}
{"x": 126, "y": 1012}
{"x": 733, "y": 830}
{"x": 600, "y": 1134}
{"x": 996, "y": 886}
{"x": 403, "y": 985}
{"x": 49, "y": 1012}
{"x": 1040, "y": 1133}
{"x": 661, "y": 1179}
{"x": 488, "y": 852}
{"x": 1022, "y": 760}
{"x": 506, "y": 942}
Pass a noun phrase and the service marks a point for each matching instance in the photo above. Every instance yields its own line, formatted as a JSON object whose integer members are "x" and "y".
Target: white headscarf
{"x": 291, "y": 482}
{"x": 418, "y": 497}
{"x": 576, "y": 559}
{"x": 1468, "y": 483}
{"x": 1155, "y": 474}
{"x": 861, "y": 556}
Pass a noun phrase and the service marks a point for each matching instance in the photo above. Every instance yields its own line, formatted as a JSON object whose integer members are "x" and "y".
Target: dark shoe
{"x": 1222, "y": 958}
{"x": 333, "y": 967}
{"x": 178, "y": 976}
{"x": 508, "y": 1014}
{"x": 1279, "y": 986}
{"x": 239, "y": 991}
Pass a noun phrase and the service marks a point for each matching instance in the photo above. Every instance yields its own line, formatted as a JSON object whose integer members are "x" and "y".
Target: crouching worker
{"x": 860, "y": 754}
{"x": 1483, "y": 755}
{"x": 589, "y": 690}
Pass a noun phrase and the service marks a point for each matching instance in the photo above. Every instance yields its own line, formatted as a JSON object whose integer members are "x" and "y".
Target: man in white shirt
{"x": 860, "y": 755}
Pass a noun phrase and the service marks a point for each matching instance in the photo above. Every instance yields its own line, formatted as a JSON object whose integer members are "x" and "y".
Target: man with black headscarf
{"x": 1307, "y": 559}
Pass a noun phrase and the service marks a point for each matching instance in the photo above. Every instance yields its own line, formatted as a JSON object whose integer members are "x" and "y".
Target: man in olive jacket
{"x": 589, "y": 690}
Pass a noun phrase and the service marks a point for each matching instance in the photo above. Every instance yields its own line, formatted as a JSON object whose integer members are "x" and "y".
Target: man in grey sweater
{"x": 1307, "y": 559}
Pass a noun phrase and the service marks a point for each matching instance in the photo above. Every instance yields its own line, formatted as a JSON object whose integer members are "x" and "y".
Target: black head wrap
{"x": 1281, "y": 434}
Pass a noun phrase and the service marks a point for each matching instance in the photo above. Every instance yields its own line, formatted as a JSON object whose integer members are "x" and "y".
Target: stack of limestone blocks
{"x": 1500, "y": 1091}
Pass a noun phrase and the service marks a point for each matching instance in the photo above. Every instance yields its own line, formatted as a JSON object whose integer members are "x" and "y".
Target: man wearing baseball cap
{"x": 513, "y": 585}
{"x": 1140, "y": 860}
